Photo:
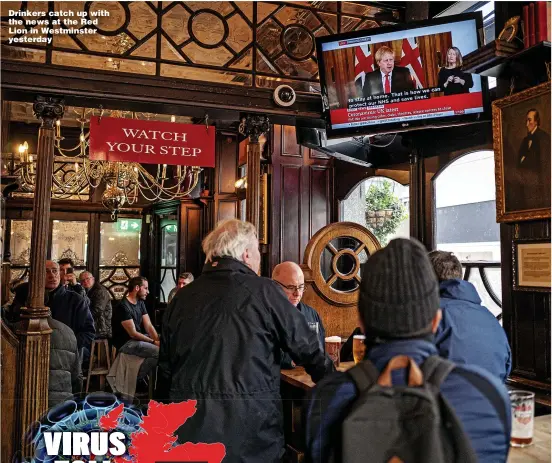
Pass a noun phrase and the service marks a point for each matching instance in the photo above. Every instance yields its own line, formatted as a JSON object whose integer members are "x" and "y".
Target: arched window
{"x": 465, "y": 222}
{"x": 381, "y": 205}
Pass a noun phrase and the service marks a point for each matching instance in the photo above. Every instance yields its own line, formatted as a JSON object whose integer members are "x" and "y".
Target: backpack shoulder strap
{"x": 435, "y": 370}
{"x": 365, "y": 375}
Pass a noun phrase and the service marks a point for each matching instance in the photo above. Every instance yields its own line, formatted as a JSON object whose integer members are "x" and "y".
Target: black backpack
{"x": 403, "y": 424}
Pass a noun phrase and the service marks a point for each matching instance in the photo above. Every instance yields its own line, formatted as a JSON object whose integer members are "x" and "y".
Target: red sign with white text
{"x": 151, "y": 142}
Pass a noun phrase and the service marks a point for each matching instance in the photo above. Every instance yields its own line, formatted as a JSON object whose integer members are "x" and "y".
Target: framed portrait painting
{"x": 521, "y": 140}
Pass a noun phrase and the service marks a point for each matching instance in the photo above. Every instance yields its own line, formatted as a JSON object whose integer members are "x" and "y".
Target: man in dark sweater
{"x": 290, "y": 278}
{"x": 133, "y": 332}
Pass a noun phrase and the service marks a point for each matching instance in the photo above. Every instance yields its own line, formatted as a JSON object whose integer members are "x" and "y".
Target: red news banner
{"x": 453, "y": 104}
{"x": 151, "y": 142}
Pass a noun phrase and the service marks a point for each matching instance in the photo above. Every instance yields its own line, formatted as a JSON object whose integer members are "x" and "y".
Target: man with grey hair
{"x": 220, "y": 345}
{"x": 100, "y": 304}
{"x": 185, "y": 278}
{"x": 468, "y": 333}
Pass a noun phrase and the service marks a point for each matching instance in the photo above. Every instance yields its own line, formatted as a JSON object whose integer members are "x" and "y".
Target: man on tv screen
{"x": 388, "y": 78}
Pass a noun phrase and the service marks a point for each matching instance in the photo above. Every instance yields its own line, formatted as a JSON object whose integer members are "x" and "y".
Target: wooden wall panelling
{"x": 10, "y": 405}
{"x": 227, "y": 209}
{"x": 526, "y": 315}
{"x": 226, "y": 174}
{"x": 302, "y": 188}
{"x": 191, "y": 234}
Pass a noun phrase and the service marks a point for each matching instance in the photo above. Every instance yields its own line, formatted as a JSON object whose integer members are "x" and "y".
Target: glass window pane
{"x": 493, "y": 275}
{"x": 70, "y": 240}
{"x": 465, "y": 215}
{"x": 20, "y": 245}
{"x": 169, "y": 242}
{"x": 168, "y": 256}
{"x": 120, "y": 243}
{"x": 381, "y": 205}
{"x": 168, "y": 282}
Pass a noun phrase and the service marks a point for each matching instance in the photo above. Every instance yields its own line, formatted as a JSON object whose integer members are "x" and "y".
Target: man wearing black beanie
{"x": 399, "y": 310}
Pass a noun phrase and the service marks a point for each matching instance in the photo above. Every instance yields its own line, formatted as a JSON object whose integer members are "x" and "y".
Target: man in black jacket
{"x": 388, "y": 78}
{"x": 220, "y": 345}
{"x": 66, "y": 306}
{"x": 531, "y": 175}
{"x": 100, "y": 304}
{"x": 291, "y": 279}
{"x": 70, "y": 308}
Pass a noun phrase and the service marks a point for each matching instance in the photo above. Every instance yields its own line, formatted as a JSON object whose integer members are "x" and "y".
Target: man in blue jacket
{"x": 399, "y": 311}
{"x": 468, "y": 333}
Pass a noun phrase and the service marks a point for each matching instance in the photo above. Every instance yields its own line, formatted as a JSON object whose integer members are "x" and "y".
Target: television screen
{"x": 400, "y": 77}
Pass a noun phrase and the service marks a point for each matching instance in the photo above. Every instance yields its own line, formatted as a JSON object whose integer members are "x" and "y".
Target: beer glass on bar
{"x": 359, "y": 348}
{"x": 333, "y": 348}
{"x": 523, "y": 416}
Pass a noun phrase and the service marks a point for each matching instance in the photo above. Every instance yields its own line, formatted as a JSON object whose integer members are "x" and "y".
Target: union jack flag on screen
{"x": 411, "y": 59}
{"x": 364, "y": 62}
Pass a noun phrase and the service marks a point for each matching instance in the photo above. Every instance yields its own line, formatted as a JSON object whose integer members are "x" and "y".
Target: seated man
{"x": 399, "y": 311}
{"x": 70, "y": 308}
{"x": 66, "y": 306}
{"x": 184, "y": 279}
{"x": 100, "y": 304}
{"x": 133, "y": 332}
{"x": 468, "y": 333}
{"x": 291, "y": 279}
{"x": 68, "y": 277}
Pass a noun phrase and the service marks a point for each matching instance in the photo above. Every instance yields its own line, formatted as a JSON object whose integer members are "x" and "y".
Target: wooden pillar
{"x": 33, "y": 329}
{"x": 6, "y": 255}
{"x": 253, "y": 126}
{"x": 416, "y": 194}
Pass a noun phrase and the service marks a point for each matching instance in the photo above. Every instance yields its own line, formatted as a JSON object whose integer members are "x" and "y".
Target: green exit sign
{"x": 129, "y": 225}
{"x": 171, "y": 228}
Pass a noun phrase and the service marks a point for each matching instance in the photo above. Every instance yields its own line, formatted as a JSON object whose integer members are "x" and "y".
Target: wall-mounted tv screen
{"x": 401, "y": 78}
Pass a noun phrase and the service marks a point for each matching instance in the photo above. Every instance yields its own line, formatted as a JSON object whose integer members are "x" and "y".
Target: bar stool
{"x": 102, "y": 364}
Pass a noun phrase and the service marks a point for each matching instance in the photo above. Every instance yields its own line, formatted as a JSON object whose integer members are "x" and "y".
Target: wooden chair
{"x": 99, "y": 363}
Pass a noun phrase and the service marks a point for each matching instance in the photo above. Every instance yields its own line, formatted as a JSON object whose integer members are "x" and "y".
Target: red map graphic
{"x": 155, "y": 440}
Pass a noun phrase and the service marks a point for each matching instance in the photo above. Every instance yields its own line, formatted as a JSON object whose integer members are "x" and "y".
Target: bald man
{"x": 290, "y": 278}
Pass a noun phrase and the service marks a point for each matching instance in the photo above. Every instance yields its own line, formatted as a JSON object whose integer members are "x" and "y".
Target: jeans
{"x": 146, "y": 350}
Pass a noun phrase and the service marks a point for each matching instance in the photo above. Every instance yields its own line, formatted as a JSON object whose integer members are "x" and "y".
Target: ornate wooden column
{"x": 253, "y": 126}
{"x": 33, "y": 329}
{"x": 416, "y": 186}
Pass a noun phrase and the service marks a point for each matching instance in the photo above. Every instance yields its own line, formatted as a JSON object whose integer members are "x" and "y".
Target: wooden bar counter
{"x": 295, "y": 385}
{"x": 540, "y": 449}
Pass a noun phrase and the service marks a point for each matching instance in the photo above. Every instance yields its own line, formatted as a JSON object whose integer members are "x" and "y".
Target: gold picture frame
{"x": 532, "y": 264}
{"x": 522, "y": 155}
{"x": 510, "y": 29}
{"x": 263, "y": 213}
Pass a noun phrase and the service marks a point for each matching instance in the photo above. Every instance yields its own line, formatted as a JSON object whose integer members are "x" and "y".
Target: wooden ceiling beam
{"x": 81, "y": 87}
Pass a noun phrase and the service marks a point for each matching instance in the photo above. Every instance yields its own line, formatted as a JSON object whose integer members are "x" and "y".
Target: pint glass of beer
{"x": 333, "y": 347}
{"x": 359, "y": 348}
{"x": 523, "y": 414}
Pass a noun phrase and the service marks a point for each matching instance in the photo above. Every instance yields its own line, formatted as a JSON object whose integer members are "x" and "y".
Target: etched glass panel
{"x": 70, "y": 240}
{"x": 20, "y": 245}
{"x": 120, "y": 243}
